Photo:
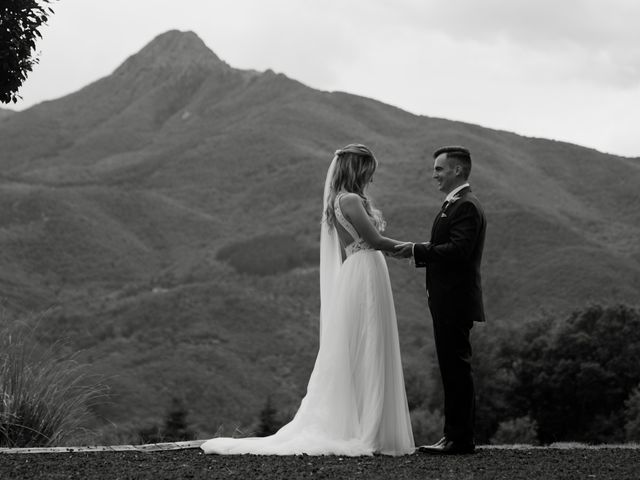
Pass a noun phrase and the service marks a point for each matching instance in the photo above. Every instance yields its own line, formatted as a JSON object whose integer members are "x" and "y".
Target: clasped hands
{"x": 402, "y": 250}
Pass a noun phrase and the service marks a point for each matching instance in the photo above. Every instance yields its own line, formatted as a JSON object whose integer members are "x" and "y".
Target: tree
{"x": 573, "y": 377}
{"x": 175, "y": 429}
{"x": 176, "y": 426}
{"x": 20, "y": 22}
{"x": 269, "y": 423}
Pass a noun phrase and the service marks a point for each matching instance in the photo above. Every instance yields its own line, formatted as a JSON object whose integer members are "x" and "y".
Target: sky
{"x": 567, "y": 70}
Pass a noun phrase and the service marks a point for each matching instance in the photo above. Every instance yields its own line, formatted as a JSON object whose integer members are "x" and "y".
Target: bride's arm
{"x": 353, "y": 209}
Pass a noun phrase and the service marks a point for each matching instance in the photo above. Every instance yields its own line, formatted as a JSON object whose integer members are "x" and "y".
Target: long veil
{"x": 355, "y": 402}
{"x": 330, "y": 256}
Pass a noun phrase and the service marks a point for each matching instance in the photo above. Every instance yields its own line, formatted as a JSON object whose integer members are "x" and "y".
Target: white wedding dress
{"x": 356, "y": 402}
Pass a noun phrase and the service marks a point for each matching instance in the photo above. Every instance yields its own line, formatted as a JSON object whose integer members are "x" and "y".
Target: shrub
{"x": 494, "y": 382}
{"x": 268, "y": 254}
{"x": 632, "y": 416}
{"x": 427, "y": 425}
{"x": 521, "y": 430}
{"x": 44, "y": 394}
{"x": 419, "y": 388}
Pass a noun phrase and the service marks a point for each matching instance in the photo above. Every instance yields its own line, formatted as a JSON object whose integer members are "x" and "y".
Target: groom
{"x": 452, "y": 259}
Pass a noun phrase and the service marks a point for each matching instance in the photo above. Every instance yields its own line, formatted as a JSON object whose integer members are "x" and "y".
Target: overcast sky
{"x": 561, "y": 69}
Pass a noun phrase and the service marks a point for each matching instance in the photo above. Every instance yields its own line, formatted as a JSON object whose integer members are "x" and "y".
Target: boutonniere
{"x": 446, "y": 205}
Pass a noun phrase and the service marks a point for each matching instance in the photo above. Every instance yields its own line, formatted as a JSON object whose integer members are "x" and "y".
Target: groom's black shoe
{"x": 448, "y": 447}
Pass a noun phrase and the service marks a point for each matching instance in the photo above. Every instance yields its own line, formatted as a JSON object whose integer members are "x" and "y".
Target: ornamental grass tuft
{"x": 45, "y": 394}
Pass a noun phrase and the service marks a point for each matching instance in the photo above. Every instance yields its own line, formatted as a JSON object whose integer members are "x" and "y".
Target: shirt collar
{"x": 453, "y": 192}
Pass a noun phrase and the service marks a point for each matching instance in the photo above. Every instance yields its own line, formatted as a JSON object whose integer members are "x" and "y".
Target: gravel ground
{"x": 488, "y": 463}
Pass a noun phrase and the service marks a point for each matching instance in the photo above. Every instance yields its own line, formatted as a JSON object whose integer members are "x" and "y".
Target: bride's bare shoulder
{"x": 350, "y": 200}
{"x": 351, "y": 205}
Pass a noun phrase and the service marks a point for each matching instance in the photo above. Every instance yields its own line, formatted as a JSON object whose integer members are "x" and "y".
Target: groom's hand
{"x": 403, "y": 250}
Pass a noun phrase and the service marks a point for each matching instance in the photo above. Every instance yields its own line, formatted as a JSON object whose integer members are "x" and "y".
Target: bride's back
{"x": 346, "y": 236}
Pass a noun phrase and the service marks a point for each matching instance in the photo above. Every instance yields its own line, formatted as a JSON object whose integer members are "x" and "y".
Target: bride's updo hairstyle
{"x": 355, "y": 166}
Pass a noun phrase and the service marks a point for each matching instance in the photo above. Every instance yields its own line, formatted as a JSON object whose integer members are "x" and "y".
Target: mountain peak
{"x": 174, "y": 49}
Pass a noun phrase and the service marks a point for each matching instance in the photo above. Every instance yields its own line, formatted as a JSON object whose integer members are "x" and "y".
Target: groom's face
{"x": 445, "y": 173}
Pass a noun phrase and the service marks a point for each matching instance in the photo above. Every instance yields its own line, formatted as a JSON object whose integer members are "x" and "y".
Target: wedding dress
{"x": 356, "y": 402}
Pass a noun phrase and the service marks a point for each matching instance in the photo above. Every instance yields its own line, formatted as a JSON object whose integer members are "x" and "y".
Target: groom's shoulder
{"x": 469, "y": 193}
{"x": 470, "y": 197}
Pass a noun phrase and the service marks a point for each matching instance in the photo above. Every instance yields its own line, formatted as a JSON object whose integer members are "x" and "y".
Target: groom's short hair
{"x": 458, "y": 153}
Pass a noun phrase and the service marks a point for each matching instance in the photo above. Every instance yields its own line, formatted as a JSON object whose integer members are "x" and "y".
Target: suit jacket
{"x": 453, "y": 259}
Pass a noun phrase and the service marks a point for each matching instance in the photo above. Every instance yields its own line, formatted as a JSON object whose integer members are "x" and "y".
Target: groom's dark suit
{"x": 454, "y": 290}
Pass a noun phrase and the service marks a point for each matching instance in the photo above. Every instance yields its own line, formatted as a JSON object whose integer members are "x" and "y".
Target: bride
{"x": 356, "y": 402}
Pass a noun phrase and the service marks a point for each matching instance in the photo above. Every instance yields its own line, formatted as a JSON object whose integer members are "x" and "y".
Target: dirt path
{"x": 488, "y": 463}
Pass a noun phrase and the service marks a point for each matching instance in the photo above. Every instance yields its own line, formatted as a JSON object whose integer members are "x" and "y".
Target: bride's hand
{"x": 403, "y": 250}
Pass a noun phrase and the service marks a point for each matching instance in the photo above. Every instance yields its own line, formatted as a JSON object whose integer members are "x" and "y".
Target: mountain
{"x": 165, "y": 220}
{"x": 4, "y": 113}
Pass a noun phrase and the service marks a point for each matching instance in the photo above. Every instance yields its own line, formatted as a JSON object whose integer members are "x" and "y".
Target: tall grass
{"x": 45, "y": 394}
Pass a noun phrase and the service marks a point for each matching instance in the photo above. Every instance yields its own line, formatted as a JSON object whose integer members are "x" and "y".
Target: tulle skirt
{"x": 356, "y": 402}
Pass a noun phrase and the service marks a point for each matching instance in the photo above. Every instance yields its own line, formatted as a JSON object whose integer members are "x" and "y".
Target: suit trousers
{"x": 453, "y": 347}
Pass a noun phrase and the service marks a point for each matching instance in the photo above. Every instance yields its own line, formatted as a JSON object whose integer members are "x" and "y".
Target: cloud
{"x": 586, "y": 39}
{"x": 560, "y": 69}
{"x": 303, "y": 39}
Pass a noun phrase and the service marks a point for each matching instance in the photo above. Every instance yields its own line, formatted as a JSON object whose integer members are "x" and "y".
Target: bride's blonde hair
{"x": 354, "y": 169}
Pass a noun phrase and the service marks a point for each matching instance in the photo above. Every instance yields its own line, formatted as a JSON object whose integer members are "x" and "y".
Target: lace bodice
{"x": 358, "y": 242}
